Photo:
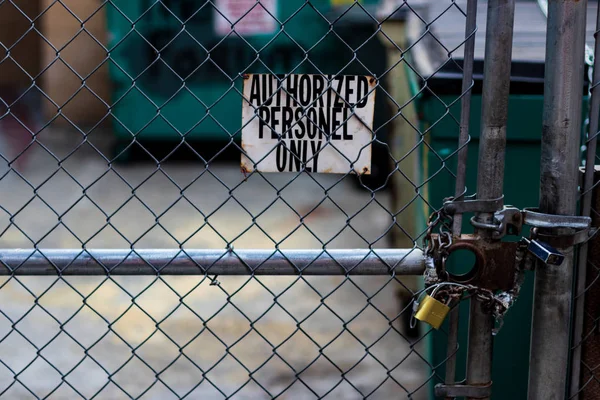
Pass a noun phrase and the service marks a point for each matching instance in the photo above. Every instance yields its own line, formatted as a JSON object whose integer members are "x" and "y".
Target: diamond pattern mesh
{"x": 120, "y": 129}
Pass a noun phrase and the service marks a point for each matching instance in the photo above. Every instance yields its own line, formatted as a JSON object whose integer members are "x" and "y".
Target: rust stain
{"x": 310, "y": 213}
{"x": 246, "y": 76}
{"x": 371, "y": 80}
{"x": 245, "y": 169}
{"x": 365, "y": 171}
{"x": 327, "y": 171}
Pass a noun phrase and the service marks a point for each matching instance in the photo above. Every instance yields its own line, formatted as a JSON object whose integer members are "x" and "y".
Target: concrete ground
{"x": 168, "y": 337}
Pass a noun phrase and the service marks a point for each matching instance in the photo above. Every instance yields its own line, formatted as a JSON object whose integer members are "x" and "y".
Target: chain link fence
{"x": 585, "y": 347}
{"x": 120, "y": 125}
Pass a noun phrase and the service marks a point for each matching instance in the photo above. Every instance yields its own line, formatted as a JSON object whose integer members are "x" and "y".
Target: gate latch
{"x": 471, "y": 204}
{"x": 509, "y": 220}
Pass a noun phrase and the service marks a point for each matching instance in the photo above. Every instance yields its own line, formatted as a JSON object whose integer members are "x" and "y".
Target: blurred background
{"x": 119, "y": 128}
{"x": 104, "y": 146}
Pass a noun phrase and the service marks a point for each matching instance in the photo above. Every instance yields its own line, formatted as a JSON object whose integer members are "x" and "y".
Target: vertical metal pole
{"x": 461, "y": 168}
{"x": 452, "y": 349}
{"x": 490, "y": 178}
{"x": 586, "y": 207}
{"x": 479, "y": 356}
{"x": 563, "y": 87}
{"x": 465, "y": 107}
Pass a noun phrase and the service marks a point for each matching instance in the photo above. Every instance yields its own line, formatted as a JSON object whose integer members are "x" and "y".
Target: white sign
{"x": 248, "y": 17}
{"x": 316, "y": 123}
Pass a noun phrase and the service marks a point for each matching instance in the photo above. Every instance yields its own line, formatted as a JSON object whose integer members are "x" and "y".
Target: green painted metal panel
{"x": 150, "y": 98}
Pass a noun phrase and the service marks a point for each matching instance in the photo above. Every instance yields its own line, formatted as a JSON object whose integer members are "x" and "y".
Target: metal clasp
{"x": 471, "y": 204}
{"x": 533, "y": 217}
{"x": 508, "y": 221}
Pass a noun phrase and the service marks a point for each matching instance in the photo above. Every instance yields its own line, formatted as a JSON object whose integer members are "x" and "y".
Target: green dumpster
{"x": 194, "y": 87}
{"x": 521, "y": 189}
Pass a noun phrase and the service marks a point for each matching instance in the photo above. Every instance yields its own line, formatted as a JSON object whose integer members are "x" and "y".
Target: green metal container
{"x": 151, "y": 101}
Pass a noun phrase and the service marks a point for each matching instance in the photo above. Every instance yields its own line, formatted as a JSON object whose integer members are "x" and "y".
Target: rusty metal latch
{"x": 510, "y": 220}
{"x": 499, "y": 268}
{"x": 490, "y": 270}
{"x": 471, "y": 204}
{"x": 579, "y": 230}
{"x": 494, "y": 261}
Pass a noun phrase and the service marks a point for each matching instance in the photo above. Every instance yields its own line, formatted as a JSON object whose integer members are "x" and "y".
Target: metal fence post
{"x": 461, "y": 169}
{"x": 586, "y": 207}
{"x": 490, "y": 179}
{"x": 565, "y": 40}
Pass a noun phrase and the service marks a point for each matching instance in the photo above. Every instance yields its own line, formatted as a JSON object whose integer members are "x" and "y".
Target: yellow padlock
{"x": 432, "y": 312}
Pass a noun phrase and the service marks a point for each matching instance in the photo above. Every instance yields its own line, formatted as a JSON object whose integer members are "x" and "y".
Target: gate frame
{"x": 587, "y": 190}
{"x": 565, "y": 45}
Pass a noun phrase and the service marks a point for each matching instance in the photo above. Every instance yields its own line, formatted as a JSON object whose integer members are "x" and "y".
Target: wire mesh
{"x": 125, "y": 134}
{"x": 586, "y": 347}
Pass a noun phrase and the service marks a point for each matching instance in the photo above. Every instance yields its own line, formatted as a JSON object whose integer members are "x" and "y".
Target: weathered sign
{"x": 314, "y": 123}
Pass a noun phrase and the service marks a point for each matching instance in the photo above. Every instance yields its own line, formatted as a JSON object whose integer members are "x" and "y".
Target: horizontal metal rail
{"x": 214, "y": 262}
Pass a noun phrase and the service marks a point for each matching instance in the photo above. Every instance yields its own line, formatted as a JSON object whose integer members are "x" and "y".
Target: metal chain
{"x": 496, "y": 303}
{"x": 439, "y": 250}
